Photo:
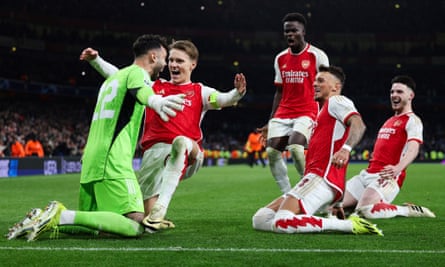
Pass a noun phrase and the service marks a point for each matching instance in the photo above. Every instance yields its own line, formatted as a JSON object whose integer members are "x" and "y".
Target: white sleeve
{"x": 105, "y": 68}
{"x": 276, "y": 68}
{"x": 214, "y": 99}
{"x": 322, "y": 59}
{"x": 414, "y": 128}
{"x": 341, "y": 107}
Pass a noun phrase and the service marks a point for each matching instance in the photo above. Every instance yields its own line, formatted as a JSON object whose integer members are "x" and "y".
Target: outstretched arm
{"x": 105, "y": 68}
{"x": 240, "y": 83}
{"x": 221, "y": 100}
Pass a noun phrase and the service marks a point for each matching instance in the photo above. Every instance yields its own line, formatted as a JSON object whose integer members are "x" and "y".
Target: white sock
{"x": 297, "y": 153}
{"x": 67, "y": 217}
{"x": 174, "y": 169}
{"x": 279, "y": 169}
{"x": 334, "y": 224}
{"x": 287, "y": 222}
{"x": 263, "y": 219}
{"x": 383, "y": 210}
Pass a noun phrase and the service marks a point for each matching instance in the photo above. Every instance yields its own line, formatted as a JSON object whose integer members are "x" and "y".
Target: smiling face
{"x": 326, "y": 85}
{"x": 401, "y": 97}
{"x": 294, "y": 33}
{"x": 180, "y": 66}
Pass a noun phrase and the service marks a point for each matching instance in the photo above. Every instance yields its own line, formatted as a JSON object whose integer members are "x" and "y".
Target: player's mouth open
{"x": 396, "y": 100}
{"x": 175, "y": 72}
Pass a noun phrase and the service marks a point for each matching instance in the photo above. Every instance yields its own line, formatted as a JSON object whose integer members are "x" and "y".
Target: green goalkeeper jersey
{"x": 115, "y": 126}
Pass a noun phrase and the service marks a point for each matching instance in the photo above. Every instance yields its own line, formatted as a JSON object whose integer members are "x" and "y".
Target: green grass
{"x": 212, "y": 212}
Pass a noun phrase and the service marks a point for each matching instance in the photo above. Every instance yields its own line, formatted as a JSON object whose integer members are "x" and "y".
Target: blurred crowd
{"x": 61, "y": 127}
{"x": 60, "y": 124}
{"x": 372, "y": 41}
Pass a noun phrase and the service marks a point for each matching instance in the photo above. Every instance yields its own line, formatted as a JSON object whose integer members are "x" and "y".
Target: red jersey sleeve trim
{"x": 415, "y": 139}
{"x": 349, "y": 116}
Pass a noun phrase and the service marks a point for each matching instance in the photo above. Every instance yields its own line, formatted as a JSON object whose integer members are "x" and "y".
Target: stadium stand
{"x": 45, "y": 89}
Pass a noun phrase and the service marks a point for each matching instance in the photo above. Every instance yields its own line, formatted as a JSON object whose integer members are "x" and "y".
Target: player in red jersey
{"x": 398, "y": 141}
{"x": 172, "y": 150}
{"x": 293, "y": 109}
{"x": 338, "y": 128}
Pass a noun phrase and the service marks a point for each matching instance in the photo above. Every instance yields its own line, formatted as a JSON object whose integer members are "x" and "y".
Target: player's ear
{"x": 154, "y": 56}
{"x": 151, "y": 57}
{"x": 194, "y": 64}
{"x": 338, "y": 86}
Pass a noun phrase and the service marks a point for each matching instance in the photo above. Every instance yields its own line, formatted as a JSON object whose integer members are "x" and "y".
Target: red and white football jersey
{"x": 296, "y": 74}
{"x": 186, "y": 123}
{"x": 329, "y": 135}
{"x": 391, "y": 142}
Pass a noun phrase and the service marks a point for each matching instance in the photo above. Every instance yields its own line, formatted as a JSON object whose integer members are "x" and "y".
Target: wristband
{"x": 347, "y": 147}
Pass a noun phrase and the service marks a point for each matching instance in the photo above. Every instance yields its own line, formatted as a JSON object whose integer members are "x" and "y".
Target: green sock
{"x": 108, "y": 222}
{"x": 77, "y": 229}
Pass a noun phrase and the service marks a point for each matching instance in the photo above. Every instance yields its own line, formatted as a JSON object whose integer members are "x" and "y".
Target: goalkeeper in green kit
{"x": 110, "y": 199}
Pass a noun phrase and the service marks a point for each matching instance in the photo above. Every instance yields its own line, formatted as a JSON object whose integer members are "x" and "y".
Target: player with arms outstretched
{"x": 172, "y": 150}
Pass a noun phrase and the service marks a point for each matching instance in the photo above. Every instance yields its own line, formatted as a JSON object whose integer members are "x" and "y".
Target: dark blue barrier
{"x": 12, "y": 167}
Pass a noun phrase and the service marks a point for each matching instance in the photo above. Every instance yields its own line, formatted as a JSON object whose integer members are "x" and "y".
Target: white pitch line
{"x": 254, "y": 250}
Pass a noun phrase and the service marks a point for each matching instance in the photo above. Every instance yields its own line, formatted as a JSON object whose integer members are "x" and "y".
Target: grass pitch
{"x": 212, "y": 212}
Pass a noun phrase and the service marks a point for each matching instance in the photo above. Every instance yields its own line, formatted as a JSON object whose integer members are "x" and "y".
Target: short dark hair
{"x": 147, "y": 42}
{"x": 334, "y": 70}
{"x": 295, "y": 16}
{"x": 406, "y": 80}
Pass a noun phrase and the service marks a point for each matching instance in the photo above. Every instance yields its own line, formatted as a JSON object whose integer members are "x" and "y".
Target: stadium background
{"x": 45, "y": 89}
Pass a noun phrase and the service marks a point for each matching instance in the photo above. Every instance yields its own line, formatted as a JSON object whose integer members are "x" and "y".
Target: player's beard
{"x": 155, "y": 74}
{"x": 157, "y": 69}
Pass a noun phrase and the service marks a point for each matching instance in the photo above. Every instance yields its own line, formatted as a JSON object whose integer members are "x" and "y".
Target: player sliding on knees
{"x": 372, "y": 191}
{"x": 338, "y": 128}
{"x": 110, "y": 199}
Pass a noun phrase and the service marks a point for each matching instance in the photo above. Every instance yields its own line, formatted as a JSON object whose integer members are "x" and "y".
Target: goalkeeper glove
{"x": 166, "y": 106}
